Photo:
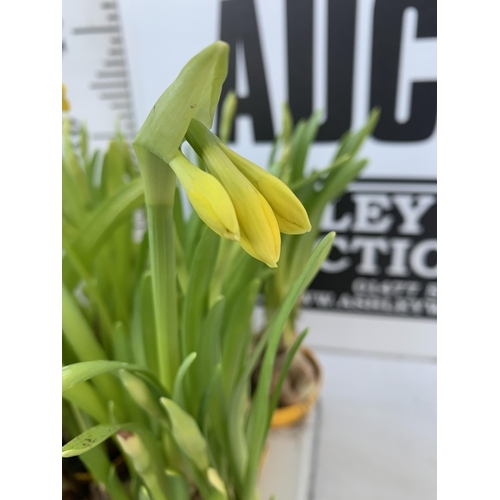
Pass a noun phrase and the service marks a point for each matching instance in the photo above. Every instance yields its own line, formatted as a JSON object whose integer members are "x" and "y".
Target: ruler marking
{"x": 121, "y": 105}
{"x": 109, "y": 63}
{"x": 95, "y": 30}
{"x": 109, "y": 135}
{"x": 116, "y": 95}
{"x": 110, "y": 81}
{"x": 111, "y": 74}
{"x": 108, "y": 85}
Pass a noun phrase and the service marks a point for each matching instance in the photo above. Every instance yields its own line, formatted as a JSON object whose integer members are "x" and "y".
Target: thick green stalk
{"x": 159, "y": 190}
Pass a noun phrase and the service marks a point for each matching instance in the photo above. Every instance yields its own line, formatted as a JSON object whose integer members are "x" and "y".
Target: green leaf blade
{"x": 88, "y": 440}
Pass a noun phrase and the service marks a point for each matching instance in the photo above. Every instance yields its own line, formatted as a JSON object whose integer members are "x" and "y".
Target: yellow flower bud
{"x": 289, "y": 211}
{"x": 65, "y": 103}
{"x": 259, "y": 230}
{"x": 208, "y": 197}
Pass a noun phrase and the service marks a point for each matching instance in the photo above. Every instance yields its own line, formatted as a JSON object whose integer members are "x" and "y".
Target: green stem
{"x": 162, "y": 254}
{"x": 159, "y": 190}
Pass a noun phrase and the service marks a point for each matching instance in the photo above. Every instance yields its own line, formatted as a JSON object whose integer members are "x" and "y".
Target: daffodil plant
{"x": 167, "y": 371}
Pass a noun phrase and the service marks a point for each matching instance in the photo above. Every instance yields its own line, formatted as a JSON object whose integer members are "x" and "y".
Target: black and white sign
{"x": 384, "y": 255}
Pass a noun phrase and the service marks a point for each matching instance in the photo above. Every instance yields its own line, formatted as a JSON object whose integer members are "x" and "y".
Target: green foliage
{"x": 158, "y": 346}
{"x": 315, "y": 189}
{"x": 88, "y": 440}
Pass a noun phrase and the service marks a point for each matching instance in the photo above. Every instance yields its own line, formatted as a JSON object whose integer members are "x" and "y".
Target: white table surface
{"x": 372, "y": 435}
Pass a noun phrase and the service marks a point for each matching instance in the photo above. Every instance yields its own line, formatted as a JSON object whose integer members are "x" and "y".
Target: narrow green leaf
{"x": 216, "y": 419}
{"x": 147, "y": 316}
{"x": 304, "y": 135}
{"x": 143, "y": 493}
{"x": 143, "y": 393}
{"x": 77, "y": 331}
{"x": 354, "y": 141}
{"x": 73, "y": 165}
{"x": 121, "y": 343}
{"x": 273, "y": 165}
{"x": 94, "y": 293}
{"x": 136, "y": 332}
{"x": 81, "y": 372}
{"x": 258, "y": 419}
{"x": 193, "y": 231}
{"x": 237, "y": 333}
{"x": 88, "y": 439}
{"x": 208, "y": 396}
{"x": 113, "y": 170}
{"x": 334, "y": 186}
{"x": 209, "y": 342}
{"x": 178, "y": 395}
{"x": 86, "y": 397}
{"x": 107, "y": 217}
{"x": 73, "y": 203}
{"x": 187, "y": 434}
{"x": 314, "y": 176}
{"x": 197, "y": 294}
{"x": 236, "y": 419}
{"x": 228, "y": 112}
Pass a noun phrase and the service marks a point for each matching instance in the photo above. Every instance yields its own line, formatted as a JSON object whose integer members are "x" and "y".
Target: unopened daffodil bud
{"x": 289, "y": 211}
{"x": 259, "y": 229}
{"x": 65, "y": 103}
{"x": 209, "y": 199}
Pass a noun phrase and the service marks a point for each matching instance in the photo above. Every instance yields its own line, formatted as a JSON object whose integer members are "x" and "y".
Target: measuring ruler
{"x": 95, "y": 71}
